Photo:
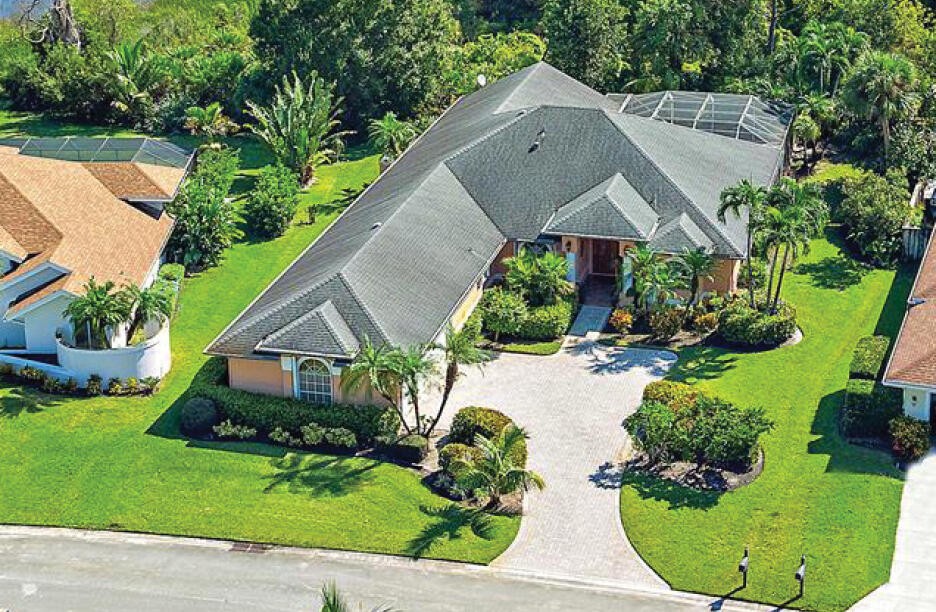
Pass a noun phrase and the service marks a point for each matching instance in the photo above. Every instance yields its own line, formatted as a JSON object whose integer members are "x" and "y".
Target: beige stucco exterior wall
{"x": 467, "y": 305}
{"x": 724, "y": 277}
{"x": 497, "y": 266}
{"x": 259, "y": 376}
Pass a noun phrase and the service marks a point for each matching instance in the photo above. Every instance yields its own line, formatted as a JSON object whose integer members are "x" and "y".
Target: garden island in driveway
{"x": 535, "y": 159}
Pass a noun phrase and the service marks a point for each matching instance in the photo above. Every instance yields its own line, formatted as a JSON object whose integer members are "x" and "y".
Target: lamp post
{"x": 801, "y": 574}
{"x": 743, "y": 567}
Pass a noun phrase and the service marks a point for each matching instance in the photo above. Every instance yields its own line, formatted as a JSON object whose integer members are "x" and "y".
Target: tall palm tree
{"x": 495, "y": 473}
{"x": 209, "y": 122}
{"x": 301, "y": 124}
{"x": 881, "y": 87}
{"x": 807, "y": 131}
{"x": 375, "y": 366}
{"x": 100, "y": 308}
{"x": 460, "y": 350}
{"x": 817, "y": 47}
{"x": 697, "y": 265}
{"x": 414, "y": 366}
{"x": 745, "y": 196}
{"x": 390, "y": 134}
{"x": 151, "y": 304}
{"x": 538, "y": 278}
{"x": 799, "y": 215}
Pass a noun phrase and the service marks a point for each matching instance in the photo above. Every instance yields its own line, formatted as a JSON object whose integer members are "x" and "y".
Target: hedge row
{"x": 742, "y": 325}
{"x": 869, "y": 357}
{"x": 267, "y": 413}
{"x": 470, "y": 422}
{"x": 869, "y": 407}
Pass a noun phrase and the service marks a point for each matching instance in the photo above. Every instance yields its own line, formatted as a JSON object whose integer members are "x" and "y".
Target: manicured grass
{"x": 118, "y": 463}
{"x": 818, "y": 495}
{"x": 527, "y": 348}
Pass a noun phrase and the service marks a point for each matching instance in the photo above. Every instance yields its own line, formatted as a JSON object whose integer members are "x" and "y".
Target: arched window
{"x": 315, "y": 384}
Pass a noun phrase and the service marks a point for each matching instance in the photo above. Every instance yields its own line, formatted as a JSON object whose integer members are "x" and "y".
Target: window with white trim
{"x": 315, "y": 383}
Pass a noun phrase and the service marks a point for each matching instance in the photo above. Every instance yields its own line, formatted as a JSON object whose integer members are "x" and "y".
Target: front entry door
{"x": 604, "y": 256}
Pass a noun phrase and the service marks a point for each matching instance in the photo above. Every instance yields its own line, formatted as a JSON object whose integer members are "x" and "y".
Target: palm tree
{"x": 665, "y": 278}
{"x": 391, "y": 135}
{"x": 881, "y": 87}
{"x": 697, "y": 264}
{"x": 374, "y": 366}
{"x": 300, "y": 124}
{"x": 100, "y": 308}
{"x": 643, "y": 258}
{"x": 137, "y": 75}
{"x": 817, "y": 47}
{"x": 414, "y": 367}
{"x": 460, "y": 349}
{"x": 539, "y": 278}
{"x": 745, "y": 196}
{"x": 150, "y": 304}
{"x": 209, "y": 122}
{"x": 495, "y": 473}
{"x": 807, "y": 131}
{"x": 333, "y": 601}
{"x": 800, "y": 213}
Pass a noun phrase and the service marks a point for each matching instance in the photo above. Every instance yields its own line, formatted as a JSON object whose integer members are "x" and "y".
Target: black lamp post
{"x": 801, "y": 574}
{"x": 743, "y": 567}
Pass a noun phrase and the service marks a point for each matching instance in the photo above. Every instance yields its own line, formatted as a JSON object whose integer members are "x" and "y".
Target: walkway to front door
{"x": 598, "y": 291}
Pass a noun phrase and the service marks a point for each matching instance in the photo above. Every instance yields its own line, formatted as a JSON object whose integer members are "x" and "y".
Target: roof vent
{"x": 539, "y": 140}
{"x": 916, "y": 301}
{"x": 376, "y": 226}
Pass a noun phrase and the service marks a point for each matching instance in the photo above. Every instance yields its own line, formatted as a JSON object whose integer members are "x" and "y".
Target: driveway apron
{"x": 572, "y": 405}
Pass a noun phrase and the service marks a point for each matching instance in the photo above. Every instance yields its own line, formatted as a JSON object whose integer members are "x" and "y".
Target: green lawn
{"x": 818, "y": 495}
{"x": 118, "y": 463}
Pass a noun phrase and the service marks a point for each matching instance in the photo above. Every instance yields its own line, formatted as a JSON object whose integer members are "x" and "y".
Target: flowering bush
{"x": 621, "y": 320}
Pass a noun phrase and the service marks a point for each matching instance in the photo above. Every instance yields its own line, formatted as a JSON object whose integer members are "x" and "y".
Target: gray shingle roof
{"x": 497, "y": 166}
{"x": 611, "y": 209}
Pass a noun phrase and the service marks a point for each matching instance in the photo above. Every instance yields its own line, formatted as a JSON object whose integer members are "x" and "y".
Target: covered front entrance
{"x": 604, "y": 260}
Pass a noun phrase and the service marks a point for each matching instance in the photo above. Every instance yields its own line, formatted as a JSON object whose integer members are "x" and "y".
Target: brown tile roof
{"x": 913, "y": 361}
{"x": 128, "y": 180}
{"x": 65, "y": 213}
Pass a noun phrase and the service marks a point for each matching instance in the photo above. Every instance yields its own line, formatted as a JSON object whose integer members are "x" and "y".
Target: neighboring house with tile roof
{"x": 70, "y": 211}
{"x": 912, "y": 365}
{"x": 536, "y": 158}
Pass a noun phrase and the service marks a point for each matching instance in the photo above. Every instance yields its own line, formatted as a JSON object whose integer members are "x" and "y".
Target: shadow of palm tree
{"x": 605, "y": 360}
{"x": 607, "y": 476}
{"x": 839, "y": 272}
{"x": 702, "y": 363}
{"x": 22, "y": 400}
{"x": 318, "y": 475}
{"x": 649, "y": 486}
{"x": 451, "y": 519}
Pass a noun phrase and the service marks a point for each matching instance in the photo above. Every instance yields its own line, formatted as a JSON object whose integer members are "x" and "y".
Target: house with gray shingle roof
{"x": 536, "y": 158}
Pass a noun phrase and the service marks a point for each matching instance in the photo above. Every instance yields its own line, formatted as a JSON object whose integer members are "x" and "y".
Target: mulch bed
{"x": 706, "y": 478}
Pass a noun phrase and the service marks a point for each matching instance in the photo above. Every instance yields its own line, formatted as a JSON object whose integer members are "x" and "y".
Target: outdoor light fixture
{"x": 801, "y": 574}
{"x": 743, "y": 567}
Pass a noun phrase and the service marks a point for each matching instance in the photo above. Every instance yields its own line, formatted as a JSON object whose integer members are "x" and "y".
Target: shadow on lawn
{"x": 450, "y": 520}
{"x": 660, "y": 489}
{"x": 22, "y": 400}
{"x": 319, "y": 475}
{"x": 839, "y": 272}
{"x": 702, "y": 363}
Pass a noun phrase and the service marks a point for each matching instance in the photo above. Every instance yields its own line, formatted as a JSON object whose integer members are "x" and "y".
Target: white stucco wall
{"x": 916, "y": 403}
{"x": 13, "y": 333}
{"x": 43, "y": 322}
{"x": 150, "y": 358}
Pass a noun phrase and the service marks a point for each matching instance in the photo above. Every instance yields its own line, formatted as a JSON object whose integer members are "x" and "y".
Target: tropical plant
{"x": 151, "y": 304}
{"x": 460, "y": 350}
{"x": 300, "y": 124}
{"x": 540, "y": 279}
{"x": 881, "y": 88}
{"x": 375, "y": 366}
{"x": 496, "y": 473}
{"x": 272, "y": 202}
{"x": 137, "y": 75}
{"x": 98, "y": 309}
{"x": 333, "y": 601}
{"x": 503, "y": 312}
{"x": 209, "y": 122}
{"x": 415, "y": 368}
{"x": 391, "y": 135}
{"x": 698, "y": 265}
{"x": 745, "y": 196}
{"x": 807, "y": 131}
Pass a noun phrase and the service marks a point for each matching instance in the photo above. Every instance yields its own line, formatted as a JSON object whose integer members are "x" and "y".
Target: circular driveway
{"x": 572, "y": 405}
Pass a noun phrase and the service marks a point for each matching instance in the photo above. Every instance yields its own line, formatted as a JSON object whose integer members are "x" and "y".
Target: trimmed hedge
{"x": 473, "y": 420}
{"x": 869, "y": 357}
{"x": 266, "y": 413}
{"x": 547, "y": 322}
{"x": 910, "y": 438}
{"x": 677, "y": 395}
{"x": 869, "y": 407}
{"x": 411, "y": 449}
{"x": 453, "y": 451}
{"x": 741, "y": 325}
{"x": 199, "y": 415}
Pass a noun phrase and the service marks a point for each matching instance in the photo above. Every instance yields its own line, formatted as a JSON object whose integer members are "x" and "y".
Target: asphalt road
{"x": 66, "y": 570}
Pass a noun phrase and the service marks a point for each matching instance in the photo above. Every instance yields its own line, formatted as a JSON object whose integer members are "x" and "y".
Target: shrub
{"x": 227, "y": 429}
{"x": 874, "y": 210}
{"x": 473, "y": 420}
{"x": 70, "y": 387}
{"x": 869, "y": 357}
{"x": 51, "y": 385}
{"x": 31, "y": 374}
{"x": 340, "y": 437}
{"x": 706, "y": 323}
{"x": 869, "y": 407}
{"x": 677, "y": 395}
{"x": 115, "y": 387}
{"x": 149, "y": 384}
{"x": 910, "y": 437}
{"x": 199, "y": 415}
{"x": 284, "y": 437}
{"x": 503, "y": 312}
{"x": 266, "y": 413}
{"x": 271, "y": 205}
{"x": 412, "y": 448}
{"x": 132, "y": 386}
{"x": 758, "y": 274}
{"x": 453, "y": 451}
{"x": 312, "y": 434}
{"x": 473, "y": 325}
{"x": 172, "y": 272}
{"x": 6, "y": 370}
{"x": 665, "y": 322}
{"x": 621, "y": 320}
{"x": 94, "y": 385}
{"x": 547, "y": 322}
{"x": 739, "y": 324}
{"x": 652, "y": 428}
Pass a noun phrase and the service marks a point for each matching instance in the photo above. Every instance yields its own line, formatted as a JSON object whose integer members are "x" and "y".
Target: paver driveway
{"x": 572, "y": 405}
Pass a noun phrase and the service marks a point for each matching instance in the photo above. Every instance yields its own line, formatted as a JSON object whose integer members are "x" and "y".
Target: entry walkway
{"x": 572, "y": 405}
{"x": 590, "y": 319}
{"x": 912, "y": 584}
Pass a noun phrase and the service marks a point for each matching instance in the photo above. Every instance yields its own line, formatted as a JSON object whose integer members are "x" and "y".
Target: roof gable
{"x": 322, "y": 327}
{"x": 612, "y": 209}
